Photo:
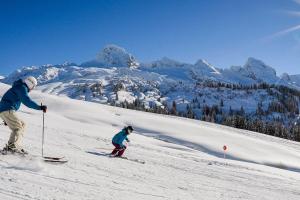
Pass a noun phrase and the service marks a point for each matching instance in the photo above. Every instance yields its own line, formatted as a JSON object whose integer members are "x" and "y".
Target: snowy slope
{"x": 183, "y": 157}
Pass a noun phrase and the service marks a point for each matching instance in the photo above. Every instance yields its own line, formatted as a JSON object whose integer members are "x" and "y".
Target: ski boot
{"x": 11, "y": 148}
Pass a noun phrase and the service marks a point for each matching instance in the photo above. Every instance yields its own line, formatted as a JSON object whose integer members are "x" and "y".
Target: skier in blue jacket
{"x": 118, "y": 140}
{"x": 10, "y": 103}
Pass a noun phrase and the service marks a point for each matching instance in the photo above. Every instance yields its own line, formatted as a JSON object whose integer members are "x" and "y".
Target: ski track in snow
{"x": 173, "y": 170}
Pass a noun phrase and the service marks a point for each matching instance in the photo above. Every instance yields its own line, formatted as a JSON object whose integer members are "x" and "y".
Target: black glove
{"x": 44, "y": 109}
{"x": 5, "y": 124}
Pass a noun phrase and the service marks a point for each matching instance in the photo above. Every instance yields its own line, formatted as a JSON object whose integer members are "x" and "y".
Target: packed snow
{"x": 183, "y": 158}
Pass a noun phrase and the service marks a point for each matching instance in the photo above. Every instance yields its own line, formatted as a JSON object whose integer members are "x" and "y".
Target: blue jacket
{"x": 120, "y": 137}
{"x": 16, "y": 95}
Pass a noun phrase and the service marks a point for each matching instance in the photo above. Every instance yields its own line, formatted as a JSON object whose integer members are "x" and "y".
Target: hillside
{"x": 184, "y": 158}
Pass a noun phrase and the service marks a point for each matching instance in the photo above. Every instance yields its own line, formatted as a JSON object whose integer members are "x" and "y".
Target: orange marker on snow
{"x": 224, "y": 148}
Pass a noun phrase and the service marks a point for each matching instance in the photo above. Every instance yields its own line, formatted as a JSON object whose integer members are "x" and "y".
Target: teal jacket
{"x": 120, "y": 137}
{"x": 16, "y": 95}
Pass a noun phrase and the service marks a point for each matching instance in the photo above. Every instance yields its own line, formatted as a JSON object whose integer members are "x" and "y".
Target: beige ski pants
{"x": 16, "y": 125}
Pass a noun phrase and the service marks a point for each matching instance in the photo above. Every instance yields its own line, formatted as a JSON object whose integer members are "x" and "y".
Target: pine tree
{"x": 174, "y": 109}
{"x": 221, "y": 103}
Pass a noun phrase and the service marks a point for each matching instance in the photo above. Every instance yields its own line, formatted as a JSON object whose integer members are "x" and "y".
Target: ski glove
{"x": 5, "y": 124}
{"x": 44, "y": 109}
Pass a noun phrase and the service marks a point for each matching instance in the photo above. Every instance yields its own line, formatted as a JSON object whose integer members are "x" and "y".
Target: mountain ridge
{"x": 201, "y": 91}
{"x": 253, "y": 71}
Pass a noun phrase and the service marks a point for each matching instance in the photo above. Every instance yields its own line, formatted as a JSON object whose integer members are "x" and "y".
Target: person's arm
{"x": 25, "y": 99}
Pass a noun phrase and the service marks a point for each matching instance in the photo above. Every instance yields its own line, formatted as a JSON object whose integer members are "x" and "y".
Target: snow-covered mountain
{"x": 115, "y": 77}
{"x": 258, "y": 71}
{"x": 183, "y": 157}
{"x": 114, "y": 70}
{"x": 292, "y": 79}
{"x": 112, "y": 56}
{"x": 254, "y": 71}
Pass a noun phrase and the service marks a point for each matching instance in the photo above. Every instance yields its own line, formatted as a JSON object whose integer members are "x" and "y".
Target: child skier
{"x": 118, "y": 140}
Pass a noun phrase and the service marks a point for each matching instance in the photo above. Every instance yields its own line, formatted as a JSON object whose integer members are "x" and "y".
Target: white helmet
{"x": 31, "y": 82}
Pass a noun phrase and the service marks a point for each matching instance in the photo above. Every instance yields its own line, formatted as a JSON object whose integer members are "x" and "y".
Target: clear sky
{"x": 224, "y": 32}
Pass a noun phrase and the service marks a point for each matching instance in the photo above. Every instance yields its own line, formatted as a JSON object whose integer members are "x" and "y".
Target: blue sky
{"x": 224, "y": 32}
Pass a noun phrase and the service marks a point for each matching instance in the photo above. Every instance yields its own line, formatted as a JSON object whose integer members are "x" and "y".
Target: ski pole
{"x": 43, "y": 134}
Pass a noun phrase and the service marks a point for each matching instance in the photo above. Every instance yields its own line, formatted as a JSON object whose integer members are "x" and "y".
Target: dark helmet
{"x": 129, "y": 129}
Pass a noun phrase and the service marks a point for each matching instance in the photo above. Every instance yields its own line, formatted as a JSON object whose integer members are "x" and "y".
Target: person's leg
{"x": 116, "y": 149}
{"x": 121, "y": 152}
{"x": 17, "y": 127}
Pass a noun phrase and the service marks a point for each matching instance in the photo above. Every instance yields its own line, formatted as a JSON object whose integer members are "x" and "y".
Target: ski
{"x": 112, "y": 156}
{"x": 26, "y": 155}
{"x": 55, "y": 159}
{"x": 3, "y": 152}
